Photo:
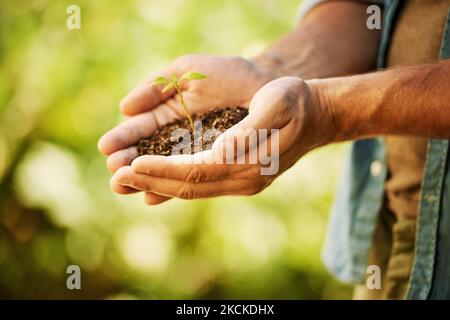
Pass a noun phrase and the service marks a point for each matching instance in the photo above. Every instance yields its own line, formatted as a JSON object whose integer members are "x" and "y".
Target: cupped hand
{"x": 288, "y": 108}
{"x": 230, "y": 82}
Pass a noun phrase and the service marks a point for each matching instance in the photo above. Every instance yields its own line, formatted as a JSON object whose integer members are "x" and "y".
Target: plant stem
{"x": 186, "y": 111}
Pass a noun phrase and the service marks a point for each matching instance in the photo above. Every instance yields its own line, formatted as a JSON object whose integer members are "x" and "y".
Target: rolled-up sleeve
{"x": 307, "y": 5}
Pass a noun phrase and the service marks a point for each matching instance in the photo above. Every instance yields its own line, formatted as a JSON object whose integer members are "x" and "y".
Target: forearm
{"x": 412, "y": 101}
{"x": 331, "y": 41}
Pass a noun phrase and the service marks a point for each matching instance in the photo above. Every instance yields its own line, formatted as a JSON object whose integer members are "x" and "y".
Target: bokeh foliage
{"x": 59, "y": 91}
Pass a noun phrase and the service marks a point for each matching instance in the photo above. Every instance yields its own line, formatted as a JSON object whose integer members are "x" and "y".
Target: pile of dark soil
{"x": 160, "y": 142}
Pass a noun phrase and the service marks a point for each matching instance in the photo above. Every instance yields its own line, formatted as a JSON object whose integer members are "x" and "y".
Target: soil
{"x": 160, "y": 142}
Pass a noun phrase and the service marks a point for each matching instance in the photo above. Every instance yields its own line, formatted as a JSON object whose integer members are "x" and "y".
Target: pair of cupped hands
{"x": 288, "y": 104}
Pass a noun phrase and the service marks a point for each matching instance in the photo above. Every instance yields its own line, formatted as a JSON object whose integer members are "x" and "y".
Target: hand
{"x": 231, "y": 82}
{"x": 288, "y": 104}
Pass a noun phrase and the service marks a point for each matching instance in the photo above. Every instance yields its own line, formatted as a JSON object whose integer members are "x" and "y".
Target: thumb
{"x": 273, "y": 112}
{"x": 241, "y": 141}
{"x": 147, "y": 95}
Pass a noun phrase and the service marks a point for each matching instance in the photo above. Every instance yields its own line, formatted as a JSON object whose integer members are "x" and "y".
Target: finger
{"x": 246, "y": 146}
{"x": 121, "y": 189}
{"x": 152, "y": 199}
{"x": 184, "y": 190}
{"x": 124, "y": 158}
{"x": 127, "y": 133}
{"x": 189, "y": 168}
{"x": 149, "y": 198}
{"x": 135, "y": 128}
{"x": 121, "y": 158}
{"x": 268, "y": 115}
{"x": 146, "y": 96}
{"x": 243, "y": 136}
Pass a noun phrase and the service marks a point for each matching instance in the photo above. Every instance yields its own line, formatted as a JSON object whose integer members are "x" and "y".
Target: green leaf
{"x": 193, "y": 75}
{"x": 169, "y": 86}
{"x": 160, "y": 80}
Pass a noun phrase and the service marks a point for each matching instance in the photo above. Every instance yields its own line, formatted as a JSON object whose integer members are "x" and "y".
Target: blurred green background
{"x": 59, "y": 91}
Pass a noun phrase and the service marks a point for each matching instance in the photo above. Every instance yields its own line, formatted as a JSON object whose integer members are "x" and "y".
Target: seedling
{"x": 174, "y": 82}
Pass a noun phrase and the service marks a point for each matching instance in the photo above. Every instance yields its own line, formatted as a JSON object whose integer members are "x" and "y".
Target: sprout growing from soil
{"x": 174, "y": 82}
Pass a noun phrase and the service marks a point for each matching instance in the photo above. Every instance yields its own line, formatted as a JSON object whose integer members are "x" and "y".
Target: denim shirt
{"x": 361, "y": 192}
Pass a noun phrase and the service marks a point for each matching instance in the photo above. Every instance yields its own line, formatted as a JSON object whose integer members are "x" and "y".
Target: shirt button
{"x": 376, "y": 168}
